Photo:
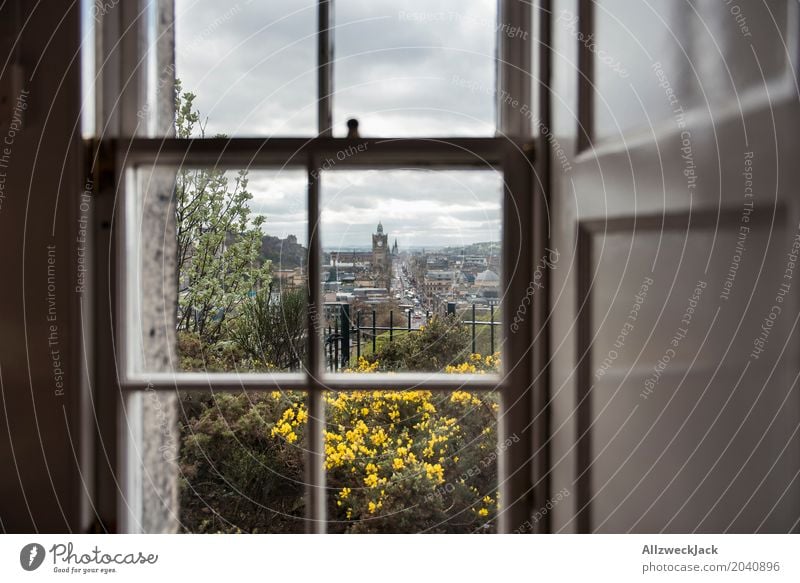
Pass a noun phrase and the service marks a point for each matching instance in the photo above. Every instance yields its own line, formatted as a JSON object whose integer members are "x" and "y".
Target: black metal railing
{"x": 346, "y": 334}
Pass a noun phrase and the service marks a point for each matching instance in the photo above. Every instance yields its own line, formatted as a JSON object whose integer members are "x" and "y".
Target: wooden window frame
{"x": 125, "y": 148}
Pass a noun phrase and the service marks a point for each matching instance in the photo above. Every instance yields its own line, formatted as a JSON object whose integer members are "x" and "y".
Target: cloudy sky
{"x": 420, "y": 208}
{"x": 400, "y": 68}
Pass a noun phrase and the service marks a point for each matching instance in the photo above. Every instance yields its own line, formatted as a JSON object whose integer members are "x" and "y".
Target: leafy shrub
{"x": 225, "y": 355}
{"x": 444, "y": 341}
{"x": 235, "y": 474}
{"x": 271, "y": 329}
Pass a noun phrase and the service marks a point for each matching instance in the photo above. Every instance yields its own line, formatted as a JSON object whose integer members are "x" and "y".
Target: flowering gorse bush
{"x": 396, "y": 461}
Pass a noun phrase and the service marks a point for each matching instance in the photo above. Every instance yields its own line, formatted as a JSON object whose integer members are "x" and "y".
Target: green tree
{"x": 219, "y": 240}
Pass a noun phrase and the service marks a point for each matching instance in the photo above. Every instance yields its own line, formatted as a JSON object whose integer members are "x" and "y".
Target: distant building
{"x": 438, "y": 262}
{"x": 440, "y": 282}
{"x": 381, "y": 258}
{"x": 488, "y": 284}
{"x": 372, "y": 268}
{"x": 380, "y": 248}
{"x": 290, "y": 278}
{"x": 351, "y": 259}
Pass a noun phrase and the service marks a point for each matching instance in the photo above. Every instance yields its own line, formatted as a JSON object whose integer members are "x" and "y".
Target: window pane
{"x": 252, "y": 65}
{"x": 411, "y": 461}
{"x": 409, "y": 257}
{"x": 415, "y": 68}
{"x": 641, "y": 51}
{"x": 240, "y": 259}
{"x": 88, "y": 70}
{"x": 241, "y": 462}
{"x": 242, "y": 254}
{"x": 624, "y": 70}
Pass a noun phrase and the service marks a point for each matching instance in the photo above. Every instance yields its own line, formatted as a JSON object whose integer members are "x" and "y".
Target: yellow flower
{"x": 398, "y": 464}
{"x": 372, "y": 507}
{"x": 365, "y": 366}
{"x": 284, "y": 428}
{"x": 434, "y": 472}
{"x": 483, "y": 512}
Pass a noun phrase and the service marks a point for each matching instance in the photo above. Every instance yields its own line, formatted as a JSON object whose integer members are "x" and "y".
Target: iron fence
{"x": 347, "y": 333}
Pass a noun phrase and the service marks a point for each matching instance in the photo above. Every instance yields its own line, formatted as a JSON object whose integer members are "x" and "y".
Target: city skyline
{"x": 419, "y": 208}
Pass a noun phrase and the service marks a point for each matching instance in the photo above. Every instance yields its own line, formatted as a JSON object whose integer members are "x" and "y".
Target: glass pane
{"x": 411, "y": 461}
{"x": 415, "y": 68}
{"x": 411, "y": 270}
{"x": 643, "y": 52}
{"x": 242, "y": 288}
{"x": 218, "y": 260}
{"x": 252, "y": 65}
{"x": 625, "y": 68}
{"x": 241, "y": 462}
{"x": 88, "y": 69}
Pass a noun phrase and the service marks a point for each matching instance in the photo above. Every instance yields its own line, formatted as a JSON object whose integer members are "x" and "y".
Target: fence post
{"x": 409, "y": 319}
{"x": 345, "y": 317}
{"x": 491, "y": 329}
{"x": 391, "y": 324}
{"x": 336, "y": 345}
{"x": 358, "y": 334}
{"x": 374, "y": 336}
{"x": 473, "y": 329}
{"x": 330, "y": 351}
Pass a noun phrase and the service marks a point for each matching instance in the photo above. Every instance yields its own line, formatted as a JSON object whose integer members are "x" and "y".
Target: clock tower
{"x": 381, "y": 260}
{"x": 380, "y": 248}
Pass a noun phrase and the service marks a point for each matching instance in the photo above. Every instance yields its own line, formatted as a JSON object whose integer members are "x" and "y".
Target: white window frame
{"x": 124, "y": 148}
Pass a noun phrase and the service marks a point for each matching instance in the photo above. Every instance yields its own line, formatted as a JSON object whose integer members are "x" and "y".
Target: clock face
{"x": 380, "y": 243}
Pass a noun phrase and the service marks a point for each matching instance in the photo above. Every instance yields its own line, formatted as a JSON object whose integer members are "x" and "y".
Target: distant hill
{"x": 284, "y": 253}
{"x": 486, "y": 248}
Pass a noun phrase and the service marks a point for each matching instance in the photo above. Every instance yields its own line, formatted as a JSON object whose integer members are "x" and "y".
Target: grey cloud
{"x": 236, "y": 57}
{"x": 405, "y": 60}
{"x": 418, "y": 207}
